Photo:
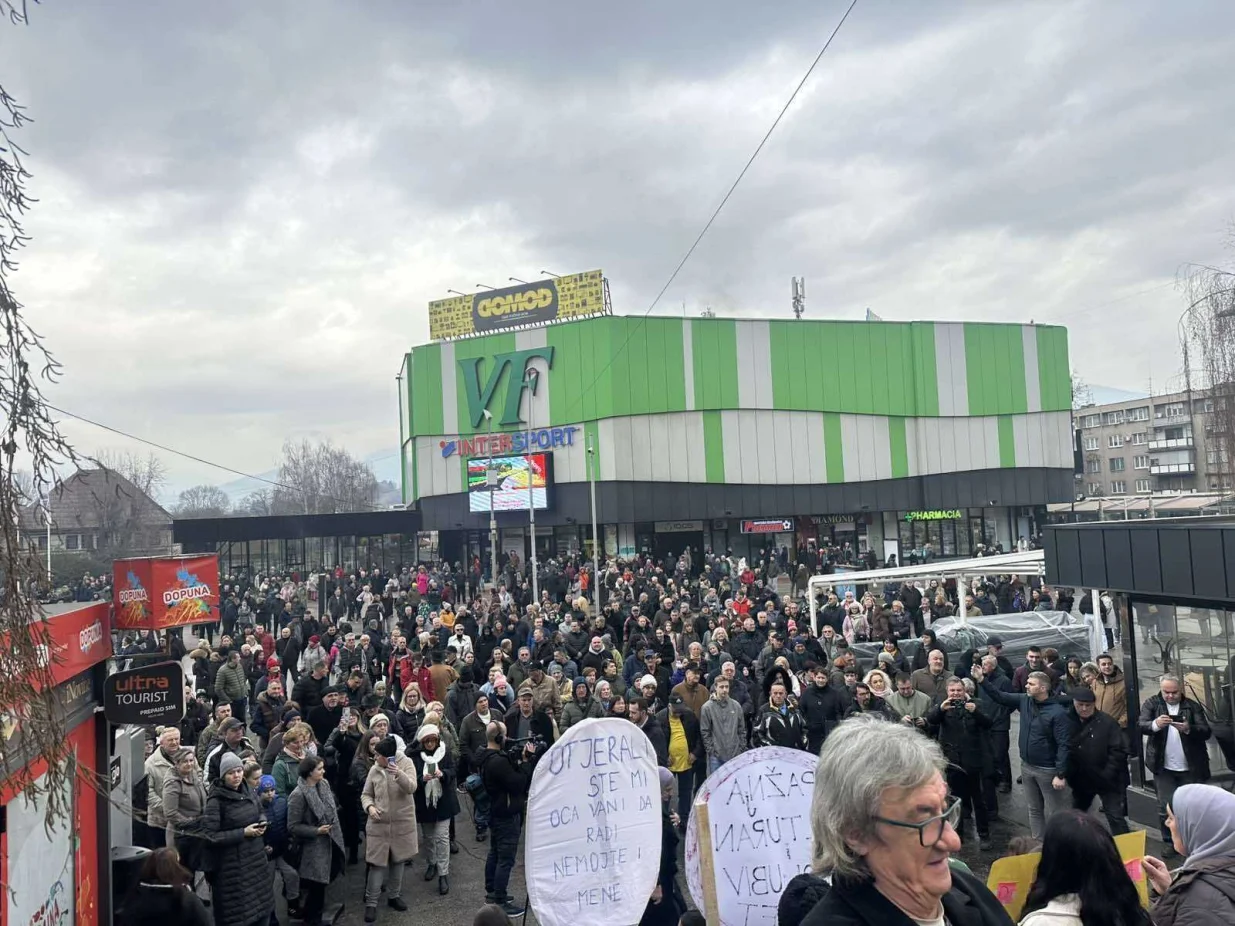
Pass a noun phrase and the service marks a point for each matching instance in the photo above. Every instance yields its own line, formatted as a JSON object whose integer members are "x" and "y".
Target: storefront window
{"x": 313, "y": 553}
{"x": 948, "y": 547}
{"x": 347, "y": 552}
{"x": 1195, "y": 645}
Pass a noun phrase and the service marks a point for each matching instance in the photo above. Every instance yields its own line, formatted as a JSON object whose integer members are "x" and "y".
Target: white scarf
{"x": 433, "y": 787}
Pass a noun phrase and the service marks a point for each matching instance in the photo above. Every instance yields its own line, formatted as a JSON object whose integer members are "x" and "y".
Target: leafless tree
{"x": 203, "y": 502}
{"x": 322, "y": 479}
{"x": 27, "y": 693}
{"x": 1209, "y": 357}
{"x": 125, "y": 520}
{"x": 1082, "y": 395}
{"x": 257, "y": 504}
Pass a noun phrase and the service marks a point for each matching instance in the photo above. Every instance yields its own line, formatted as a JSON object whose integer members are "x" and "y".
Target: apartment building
{"x": 1153, "y": 444}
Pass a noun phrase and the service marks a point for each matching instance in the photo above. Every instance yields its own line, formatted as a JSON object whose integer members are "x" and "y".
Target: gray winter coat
{"x": 723, "y": 728}
{"x": 302, "y": 824}
{"x": 1199, "y": 895}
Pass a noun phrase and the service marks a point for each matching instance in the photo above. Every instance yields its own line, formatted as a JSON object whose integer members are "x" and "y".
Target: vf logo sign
{"x": 511, "y": 366}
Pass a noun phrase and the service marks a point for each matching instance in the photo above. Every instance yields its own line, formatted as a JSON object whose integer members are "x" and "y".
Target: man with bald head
{"x": 507, "y": 775}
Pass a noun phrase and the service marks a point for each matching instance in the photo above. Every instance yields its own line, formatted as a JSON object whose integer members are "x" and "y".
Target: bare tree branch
{"x": 27, "y": 692}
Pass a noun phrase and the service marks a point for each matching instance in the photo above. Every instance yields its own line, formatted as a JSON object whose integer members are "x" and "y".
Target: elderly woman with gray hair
{"x": 884, "y": 827}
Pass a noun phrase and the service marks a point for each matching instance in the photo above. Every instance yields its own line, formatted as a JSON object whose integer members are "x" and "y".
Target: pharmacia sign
{"x": 149, "y": 696}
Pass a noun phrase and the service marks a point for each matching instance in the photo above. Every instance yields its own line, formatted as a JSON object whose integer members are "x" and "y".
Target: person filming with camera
{"x": 506, "y": 769}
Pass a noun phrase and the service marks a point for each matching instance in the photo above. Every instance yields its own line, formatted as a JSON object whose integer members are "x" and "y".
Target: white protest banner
{"x": 759, "y": 820}
{"x": 594, "y": 826}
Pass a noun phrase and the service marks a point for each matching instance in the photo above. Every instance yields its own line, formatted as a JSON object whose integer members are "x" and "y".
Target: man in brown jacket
{"x": 690, "y": 691}
{"x": 1111, "y": 693}
{"x": 443, "y": 677}
{"x": 546, "y": 696}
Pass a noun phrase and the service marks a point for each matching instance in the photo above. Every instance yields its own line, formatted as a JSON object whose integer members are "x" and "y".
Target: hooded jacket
{"x": 577, "y": 709}
{"x": 722, "y": 725}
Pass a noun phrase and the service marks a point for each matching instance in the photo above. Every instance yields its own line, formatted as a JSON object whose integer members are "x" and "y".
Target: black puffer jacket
{"x": 244, "y": 891}
{"x": 858, "y": 903}
{"x": 161, "y": 904}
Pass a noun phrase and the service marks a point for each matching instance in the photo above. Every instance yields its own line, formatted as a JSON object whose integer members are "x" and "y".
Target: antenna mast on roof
{"x": 798, "y": 288}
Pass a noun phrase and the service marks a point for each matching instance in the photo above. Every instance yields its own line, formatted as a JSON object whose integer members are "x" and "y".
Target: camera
{"x": 514, "y": 747}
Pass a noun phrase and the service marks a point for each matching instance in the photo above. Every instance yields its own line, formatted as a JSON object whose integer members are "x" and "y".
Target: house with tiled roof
{"x": 99, "y": 509}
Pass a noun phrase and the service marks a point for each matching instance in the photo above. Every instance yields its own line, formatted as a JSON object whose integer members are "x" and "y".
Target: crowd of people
{"x": 399, "y": 708}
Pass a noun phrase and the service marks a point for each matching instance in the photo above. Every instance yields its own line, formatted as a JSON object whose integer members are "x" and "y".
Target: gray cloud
{"x": 245, "y": 208}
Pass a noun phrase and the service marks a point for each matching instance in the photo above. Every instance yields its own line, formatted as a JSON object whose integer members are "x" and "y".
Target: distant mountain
{"x": 385, "y": 464}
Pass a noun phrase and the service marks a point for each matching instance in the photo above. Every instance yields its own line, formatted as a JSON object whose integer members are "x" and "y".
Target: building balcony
{"x": 1173, "y": 469}
{"x": 1171, "y": 443}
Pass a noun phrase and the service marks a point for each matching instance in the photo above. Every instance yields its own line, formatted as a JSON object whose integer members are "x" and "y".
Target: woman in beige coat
{"x": 184, "y": 802}
{"x": 390, "y": 833}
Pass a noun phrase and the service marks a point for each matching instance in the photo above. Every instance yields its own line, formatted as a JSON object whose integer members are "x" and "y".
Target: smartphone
{"x": 347, "y": 716}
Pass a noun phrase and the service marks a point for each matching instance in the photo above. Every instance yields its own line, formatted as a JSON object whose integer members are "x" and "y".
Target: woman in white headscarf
{"x": 1201, "y": 819}
{"x": 436, "y": 800}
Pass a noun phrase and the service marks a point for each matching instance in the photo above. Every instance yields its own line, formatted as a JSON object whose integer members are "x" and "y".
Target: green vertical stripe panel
{"x": 487, "y": 347}
{"x": 995, "y": 369}
{"x": 1007, "y": 443}
{"x": 601, "y": 372}
{"x": 415, "y": 473}
{"x": 878, "y": 362}
{"x": 620, "y": 368}
{"x": 635, "y": 354}
{"x": 566, "y": 376}
{"x": 1054, "y": 373}
{"x": 899, "y": 447}
{"x": 787, "y": 366}
{"x": 670, "y": 334}
{"x": 426, "y": 390}
{"x": 713, "y": 447}
{"x": 656, "y": 359}
{"x": 817, "y": 367}
{"x": 715, "y": 344}
{"x": 833, "y": 450}
{"x": 925, "y": 368}
{"x": 591, "y": 438}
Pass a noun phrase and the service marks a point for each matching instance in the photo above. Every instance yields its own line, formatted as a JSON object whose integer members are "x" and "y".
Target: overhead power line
{"x": 194, "y": 457}
{"x": 728, "y": 194}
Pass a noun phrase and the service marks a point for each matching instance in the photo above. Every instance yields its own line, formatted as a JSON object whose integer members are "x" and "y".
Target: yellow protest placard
{"x": 1010, "y": 878}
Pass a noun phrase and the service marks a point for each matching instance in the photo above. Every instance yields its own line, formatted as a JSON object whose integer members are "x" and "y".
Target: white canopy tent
{"x": 1031, "y": 562}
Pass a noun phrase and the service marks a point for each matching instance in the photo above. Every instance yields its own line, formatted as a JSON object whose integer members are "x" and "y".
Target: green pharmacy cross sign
{"x": 480, "y": 396}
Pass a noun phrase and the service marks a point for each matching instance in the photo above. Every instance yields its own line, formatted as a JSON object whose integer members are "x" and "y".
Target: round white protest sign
{"x": 759, "y": 822}
{"x": 594, "y": 826}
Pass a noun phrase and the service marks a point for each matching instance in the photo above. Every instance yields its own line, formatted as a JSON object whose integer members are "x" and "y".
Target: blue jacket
{"x": 1046, "y": 728}
{"x": 276, "y": 835}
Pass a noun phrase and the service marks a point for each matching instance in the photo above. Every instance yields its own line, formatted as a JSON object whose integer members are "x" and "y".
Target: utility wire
{"x": 196, "y": 459}
{"x": 716, "y": 213}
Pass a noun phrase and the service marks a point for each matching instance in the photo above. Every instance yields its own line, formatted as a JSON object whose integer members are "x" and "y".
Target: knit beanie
{"x": 228, "y": 762}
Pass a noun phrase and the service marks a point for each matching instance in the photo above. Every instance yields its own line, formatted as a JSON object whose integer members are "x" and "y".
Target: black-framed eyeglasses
{"x": 930, "y": 830}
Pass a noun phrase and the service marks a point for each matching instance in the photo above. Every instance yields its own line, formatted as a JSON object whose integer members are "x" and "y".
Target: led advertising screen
{"x": 510, "y": 492}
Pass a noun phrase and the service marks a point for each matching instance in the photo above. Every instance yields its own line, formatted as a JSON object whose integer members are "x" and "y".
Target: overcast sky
{"x": 244, "y": 208}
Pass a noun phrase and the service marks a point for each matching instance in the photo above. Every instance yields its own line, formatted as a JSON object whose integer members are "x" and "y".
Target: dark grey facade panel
{"x": 289, "y": 527}
{"x": 638, "y": 502}
{"x": 1171, "y": 559}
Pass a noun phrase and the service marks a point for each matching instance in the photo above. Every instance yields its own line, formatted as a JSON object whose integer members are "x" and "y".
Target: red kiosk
{"x": 62, "y": 877}
{"x": 155, "y": 593}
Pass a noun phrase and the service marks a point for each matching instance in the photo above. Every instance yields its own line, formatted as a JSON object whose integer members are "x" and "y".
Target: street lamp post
{"x": 591, "y": 479}
{"x": 491, "y": 480}
{"x": 531, "y": 377}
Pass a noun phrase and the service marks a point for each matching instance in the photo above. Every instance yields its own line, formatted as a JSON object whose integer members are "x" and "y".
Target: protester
{"x": 160, "y": 765}
{"x": 390, "y": 828}
{"x": 183, "y": 806}
{"x": 1045, "y": 745}
{"x": 883, "y": 828}
{"x": 313, "y": 821}
{"x": 277, "y": 840}
{"x": 241, "y": 890}
{"x": 962, "y": 732}
{"x": 722, "y": 726}
{"x": 662, "y": 908}
{"x": 163, "y": 895}
{"x": 1081, "y": 879}
{"x": 1098, "y": 762}
{"x": 1176, "y": 729}
{"x": 436, "y": 800}
{"x": 683, "y": 752}
{"x": 822, "y": 708}
{"x": 506, "y": 781}
{"x": 1201, "y": 823}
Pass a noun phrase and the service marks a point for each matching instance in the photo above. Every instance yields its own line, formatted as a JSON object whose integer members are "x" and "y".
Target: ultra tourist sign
{"x": 148, "y": 696}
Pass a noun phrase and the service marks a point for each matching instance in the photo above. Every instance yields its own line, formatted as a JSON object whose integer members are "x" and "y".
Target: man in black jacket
{"x": 650, "y": 725}
{"x": 310, "y": 690}
{"x": 1175, "y": 751}
{"x": 506, "y": 781}
{"x": 962, "y": 730}
{"x": 1098, "y": 763}
{"x": 822, "y": 707}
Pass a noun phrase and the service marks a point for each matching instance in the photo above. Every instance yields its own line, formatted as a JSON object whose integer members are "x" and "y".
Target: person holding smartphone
{"x": 390, "y": 827}
{"x": 1176, "y": 729}
{"x": 242, "y": 889}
